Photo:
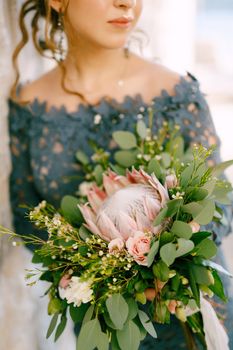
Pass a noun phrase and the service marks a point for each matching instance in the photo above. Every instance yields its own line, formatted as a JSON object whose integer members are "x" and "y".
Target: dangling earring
{"x": 60, "y": 52}
{"x": 126, "y": 51}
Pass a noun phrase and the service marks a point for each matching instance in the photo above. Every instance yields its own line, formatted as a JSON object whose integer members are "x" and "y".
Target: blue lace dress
{"x": 43, "y": 146}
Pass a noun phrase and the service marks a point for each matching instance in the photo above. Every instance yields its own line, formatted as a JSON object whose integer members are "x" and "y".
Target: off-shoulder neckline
{"x": 129, "y": 102}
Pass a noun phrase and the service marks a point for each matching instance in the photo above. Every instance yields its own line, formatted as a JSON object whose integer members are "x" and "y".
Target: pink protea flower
{"x": 124, "y": 205}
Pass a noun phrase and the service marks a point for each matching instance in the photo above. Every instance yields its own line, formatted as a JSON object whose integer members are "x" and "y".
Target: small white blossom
{"x": 77, "y": 292}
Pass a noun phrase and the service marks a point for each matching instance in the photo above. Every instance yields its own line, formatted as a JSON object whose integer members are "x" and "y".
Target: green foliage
{"x": 61, "y": 327}
{"x": 125, "y": 158}
{"x": 82, "y": 158}
{"x": 89, "y": 335}
{"x": 54, "y": 306}
{"x": 129, "y": 336}
{"x": 153, "y": 251}
{"x": 125, "y": 139}
{"x": 181, "y": 229}
{"x": 70, "y": 210}
{"x": 217, "y": 287}
{"x": 98, "y": 173}
{"x": 147, "y": 324}
{"x": 77, "y": 313}
{"x": 206, "y": 248}
{"x": 220, "y": 168}
{"x": 118, "y": 310}
{"x": 52, "y": 325}
{"x": 141, "y": 129}
{"x": 161, "y": 271}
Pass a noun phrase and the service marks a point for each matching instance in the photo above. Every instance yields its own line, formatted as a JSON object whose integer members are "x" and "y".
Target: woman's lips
{"x": 121, "y": 22}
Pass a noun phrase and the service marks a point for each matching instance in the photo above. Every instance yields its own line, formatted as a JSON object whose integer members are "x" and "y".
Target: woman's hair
{"x": 39, "y": 10}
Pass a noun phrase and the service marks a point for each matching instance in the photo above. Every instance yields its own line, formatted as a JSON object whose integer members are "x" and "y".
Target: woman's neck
{"x": 91, "y": 69}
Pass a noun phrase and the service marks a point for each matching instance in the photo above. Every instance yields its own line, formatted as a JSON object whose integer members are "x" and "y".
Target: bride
{"x": 97, "y": 86}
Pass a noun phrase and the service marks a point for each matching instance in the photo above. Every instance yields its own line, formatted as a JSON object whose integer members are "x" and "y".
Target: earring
{"x": 60, "y": 51}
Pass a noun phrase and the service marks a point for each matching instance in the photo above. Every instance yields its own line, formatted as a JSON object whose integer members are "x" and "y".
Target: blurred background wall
{"x": 185, "y": 35}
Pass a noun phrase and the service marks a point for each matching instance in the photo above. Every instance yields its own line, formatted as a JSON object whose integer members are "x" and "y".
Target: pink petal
{"x": 96, "y": 198}
{"x": 126, "y": 225}
{"x": 110, "y": 185}
{"x": 152, "y": 207}
{"x": 143, "y": 223}
{"x": 107, "y": 227}
{"x": 87, "y": 212}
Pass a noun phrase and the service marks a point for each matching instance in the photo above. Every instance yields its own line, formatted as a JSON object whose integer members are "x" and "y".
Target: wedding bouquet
{"x": 133, "y": 248}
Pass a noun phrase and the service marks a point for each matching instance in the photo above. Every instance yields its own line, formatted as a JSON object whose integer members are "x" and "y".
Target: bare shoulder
{"x": 158, "y": 77}
{"x": 40, "y": 88}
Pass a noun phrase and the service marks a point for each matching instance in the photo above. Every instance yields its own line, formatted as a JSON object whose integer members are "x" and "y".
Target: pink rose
{"x": 64, "y": 281}
{"x": 171, "y": 181}
{"x": 138, "y": 246}
{"x": 116, "y": 245}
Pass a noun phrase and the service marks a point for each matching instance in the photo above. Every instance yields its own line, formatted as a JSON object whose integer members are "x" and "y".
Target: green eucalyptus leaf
{"x": 154, "y": 167}
{"x": 98, "y": 173}
{"x": 220, "y": 168}
{"x": 184, "y": 247}
{"x": 114, "y": 342}
{"x": 82, "y": 158}
{"x": 181, "y": 229}
{"x": 202, "y": 275}
{"x": 125, "y": 139}
{"x": 152, "y": 253}
{"x": 84, "y": 233}
{"x": 125, "y": 158}
{"x": 133, "y": 308}
{"x": 89, "y": 334}
{"x": 206, "y": 248}
{"x": 217, "y": 287}
{"x": 147, "y": 324}
{"x": 206, "y": 214}
{"x": 168, "y": 253}
{"x": 102, "y": 341}
{"x": 221, "y": 193}
{"x": 198, "y": 194}
{"x": 70, "y": 210}
{"x": 141, "y": 129}
{"x": 52, "y": 325}
{"x": 166, "y": 159}
{"x": 173, "y": 206}
{"x": 177, "y": 147}
{"x": 129, "y": 336}
{"x": 142, "y": 330}
{"x": 118, "y": 310}
{"x": 186, "y": 175}
{"x": 88, "y": 314}
{"x": 118, "y": 169}
{"x": 192, "y": 208}
{"x": 60, "y": 328}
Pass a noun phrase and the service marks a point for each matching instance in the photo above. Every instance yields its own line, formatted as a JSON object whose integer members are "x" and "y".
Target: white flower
{"x": 77, "y": 292}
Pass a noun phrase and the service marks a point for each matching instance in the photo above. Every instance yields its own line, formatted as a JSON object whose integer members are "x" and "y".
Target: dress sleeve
{"x": 198, "y": 127}
{"x": 23, "y": 193}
